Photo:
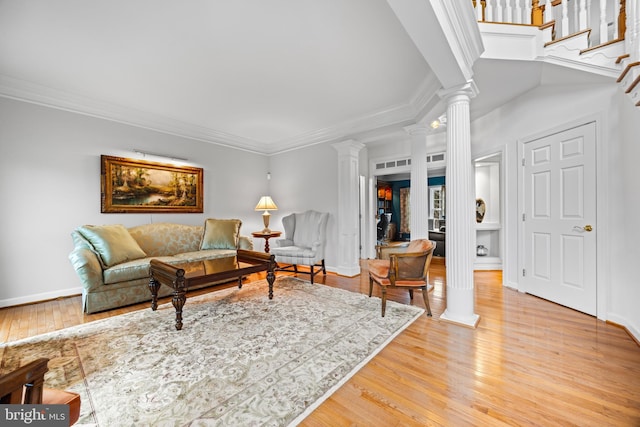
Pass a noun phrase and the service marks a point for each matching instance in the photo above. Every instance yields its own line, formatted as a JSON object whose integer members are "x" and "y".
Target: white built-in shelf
{"x": 489, "y": 231}
{"x": 488, "y": 226}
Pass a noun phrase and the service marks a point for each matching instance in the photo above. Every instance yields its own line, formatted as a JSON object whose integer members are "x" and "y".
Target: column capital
{"x": 348, "y": 147}
{"x": 468, "y": 90}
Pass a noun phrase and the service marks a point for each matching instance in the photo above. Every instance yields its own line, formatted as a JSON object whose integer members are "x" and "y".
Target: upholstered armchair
{"x": 304, "y": 242}
{"x": 405, "y": 267}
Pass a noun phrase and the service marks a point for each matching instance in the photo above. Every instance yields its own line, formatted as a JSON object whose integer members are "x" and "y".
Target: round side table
{"x": 266, "y": 236}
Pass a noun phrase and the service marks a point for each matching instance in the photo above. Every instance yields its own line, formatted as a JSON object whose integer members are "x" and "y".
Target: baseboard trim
{"x": 627, "y": 330}
{"x": 36, "y": 298}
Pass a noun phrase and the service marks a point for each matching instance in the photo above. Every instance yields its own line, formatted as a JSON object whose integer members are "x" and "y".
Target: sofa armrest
{"x": 244, "y": 242}
{"x": 87, "y": 266}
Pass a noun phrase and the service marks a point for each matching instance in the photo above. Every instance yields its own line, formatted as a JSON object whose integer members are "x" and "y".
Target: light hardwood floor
{"x": 529, "y": 362}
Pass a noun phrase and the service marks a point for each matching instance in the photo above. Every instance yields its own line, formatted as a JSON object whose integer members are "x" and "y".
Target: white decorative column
{"x": 460, "y": 208}
{"x": 348, "y": 220}
{"x": 419, "y": 195}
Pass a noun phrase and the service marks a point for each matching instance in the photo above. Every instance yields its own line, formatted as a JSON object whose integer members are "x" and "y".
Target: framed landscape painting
{"x": 137, "y": 186}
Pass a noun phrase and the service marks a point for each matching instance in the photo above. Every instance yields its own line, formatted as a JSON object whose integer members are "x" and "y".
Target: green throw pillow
{"x": 221, "y": 234}
{"x": 113, "y": 243}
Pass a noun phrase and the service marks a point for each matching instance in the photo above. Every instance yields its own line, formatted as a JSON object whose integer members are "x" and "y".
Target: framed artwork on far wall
{"x": 137, "y": 186}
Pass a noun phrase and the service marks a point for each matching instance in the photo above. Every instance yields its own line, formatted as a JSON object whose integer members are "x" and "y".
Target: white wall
{"x": 625, "y": 203}
{"x": 307, "y": 179}
{"x": 618, "y": 124}
{"x": 50, "y": 184}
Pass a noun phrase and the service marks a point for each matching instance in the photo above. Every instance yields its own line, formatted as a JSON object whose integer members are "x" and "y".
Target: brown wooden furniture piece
{"x": 406, "y": 268}
{"x": 266, "y": 237}
{"x": 25, "y": 385}
{"x": 180, "y": 277}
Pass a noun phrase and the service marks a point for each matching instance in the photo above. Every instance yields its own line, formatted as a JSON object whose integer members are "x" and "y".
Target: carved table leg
{"x": 179, "y": 298}
{"x": 154, "y": 285}
{"x": 271, "y": 276}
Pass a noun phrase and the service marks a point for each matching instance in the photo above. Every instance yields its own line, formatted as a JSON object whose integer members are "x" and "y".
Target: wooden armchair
{"x": 25, "y": 385}
{"x": 406, "y": 267}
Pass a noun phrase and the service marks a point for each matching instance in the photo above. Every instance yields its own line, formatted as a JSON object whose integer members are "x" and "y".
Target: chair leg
{"x": 295, "y": 268}
{"x": 370, "y": 286}
{"x": 311, "y": 267}
{"x": 384, "y": 299}
{"x": 324, "y": 269}
{"x": 411, "y": 294}
{"x": 425, "y": 295}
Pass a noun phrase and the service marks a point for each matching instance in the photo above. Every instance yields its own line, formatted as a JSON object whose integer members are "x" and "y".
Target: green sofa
{"x": 112, "y": 261}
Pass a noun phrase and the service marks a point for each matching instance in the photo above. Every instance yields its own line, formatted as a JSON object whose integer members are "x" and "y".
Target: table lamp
{"x": 266, "y": 204}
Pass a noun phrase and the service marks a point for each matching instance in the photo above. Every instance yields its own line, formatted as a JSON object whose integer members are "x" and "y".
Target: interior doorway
{"x": 392, "y": 208}
{"x": 392, "y": 205}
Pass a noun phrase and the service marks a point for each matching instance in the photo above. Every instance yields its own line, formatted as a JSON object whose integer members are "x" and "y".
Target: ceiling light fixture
{"x": 440, "y": 121}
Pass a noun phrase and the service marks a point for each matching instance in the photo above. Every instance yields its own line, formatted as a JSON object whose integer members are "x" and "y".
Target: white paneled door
{"x": 559, "y": 221}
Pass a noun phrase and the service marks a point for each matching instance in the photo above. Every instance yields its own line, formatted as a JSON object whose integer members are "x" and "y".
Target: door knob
{"x": 587, "y": 227}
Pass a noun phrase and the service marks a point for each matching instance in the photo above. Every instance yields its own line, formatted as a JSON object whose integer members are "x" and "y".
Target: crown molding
{"x": 396, "y": 115}
{"x": 22, "y": 90}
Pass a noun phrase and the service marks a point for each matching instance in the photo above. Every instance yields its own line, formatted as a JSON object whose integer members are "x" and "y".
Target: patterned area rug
{"x": 240, "y": 359}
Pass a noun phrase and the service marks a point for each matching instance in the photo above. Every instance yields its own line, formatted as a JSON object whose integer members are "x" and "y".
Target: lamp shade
{"x": 266, "y": 203}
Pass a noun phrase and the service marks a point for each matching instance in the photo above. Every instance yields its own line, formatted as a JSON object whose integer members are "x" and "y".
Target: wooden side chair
{"x": 407, "y": 268}
{"x": 25, "y": 385}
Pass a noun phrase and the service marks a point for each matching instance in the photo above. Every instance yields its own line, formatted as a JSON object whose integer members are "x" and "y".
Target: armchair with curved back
{"x": 404, "y": 267}
{"x": 304, "y": 242}
{"x": 25, "y": 385}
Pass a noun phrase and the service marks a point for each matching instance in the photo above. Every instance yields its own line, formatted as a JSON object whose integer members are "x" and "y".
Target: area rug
{"x": 240, "y": 359}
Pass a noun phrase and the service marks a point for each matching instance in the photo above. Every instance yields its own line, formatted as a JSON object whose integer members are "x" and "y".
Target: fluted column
{"x": 460, "y": 208}
{"x": 348, "y": 209}
{"x": 419, "y": 195}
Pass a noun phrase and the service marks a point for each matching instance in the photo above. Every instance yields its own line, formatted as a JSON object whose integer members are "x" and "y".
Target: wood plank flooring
{"x": 529, "y": 362}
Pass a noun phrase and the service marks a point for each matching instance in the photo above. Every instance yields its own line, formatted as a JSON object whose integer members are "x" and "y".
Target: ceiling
{"x": 264, "y": 76}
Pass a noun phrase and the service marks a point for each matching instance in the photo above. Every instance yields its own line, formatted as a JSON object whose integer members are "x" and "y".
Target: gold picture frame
{"x": 137, "y": 186}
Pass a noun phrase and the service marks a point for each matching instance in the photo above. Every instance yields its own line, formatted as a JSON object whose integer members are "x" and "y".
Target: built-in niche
{"x": 488, "y": 171}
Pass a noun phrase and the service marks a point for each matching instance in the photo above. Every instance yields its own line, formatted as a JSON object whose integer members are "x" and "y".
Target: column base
{"x": 467, "y": 321}
{"x": 351, "y": 271}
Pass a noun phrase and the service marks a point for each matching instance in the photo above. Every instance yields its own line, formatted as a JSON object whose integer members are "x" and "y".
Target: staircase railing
{"x": 605, "y": 19}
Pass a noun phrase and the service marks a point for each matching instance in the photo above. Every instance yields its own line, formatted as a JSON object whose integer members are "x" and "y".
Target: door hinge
{"x": 524, "y": 217}
{"x": 523, "y": 162}
{"x": 524, "y": 272}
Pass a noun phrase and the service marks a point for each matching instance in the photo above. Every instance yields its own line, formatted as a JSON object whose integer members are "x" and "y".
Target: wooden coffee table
{"x": 180, "y": 277}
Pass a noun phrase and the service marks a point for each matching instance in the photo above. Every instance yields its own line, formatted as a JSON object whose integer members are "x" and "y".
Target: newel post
{"x": 622, "y": 20}
{"x": 536, "y": 13}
